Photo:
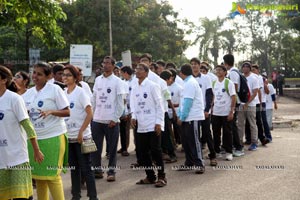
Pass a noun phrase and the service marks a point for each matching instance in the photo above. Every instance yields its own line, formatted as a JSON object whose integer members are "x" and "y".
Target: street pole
{"x": 110, "y": 31}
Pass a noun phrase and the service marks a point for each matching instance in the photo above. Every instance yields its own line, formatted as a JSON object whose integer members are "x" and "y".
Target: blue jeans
{"x": 100, "y": 130}
{"x": 81, "y": 167}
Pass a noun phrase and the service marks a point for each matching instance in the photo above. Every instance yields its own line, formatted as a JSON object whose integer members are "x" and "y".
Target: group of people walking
{"x": 164, "y": 108}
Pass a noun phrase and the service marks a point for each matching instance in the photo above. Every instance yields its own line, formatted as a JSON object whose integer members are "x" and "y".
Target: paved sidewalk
{"x": 271, "y": 172}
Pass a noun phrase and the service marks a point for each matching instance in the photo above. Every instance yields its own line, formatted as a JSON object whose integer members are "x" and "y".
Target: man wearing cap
{"x": 247, "y": 111}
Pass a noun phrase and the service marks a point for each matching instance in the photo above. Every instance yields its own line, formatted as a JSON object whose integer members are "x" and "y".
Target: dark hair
{"x": 57, "y": 68}
{"x": 46, "y": 67}
{"x": 5, "y": 73}
{"x": 145, "y": 66}
{"x": 74, "y": 71}
{"x": 25, "y": 76}
{"x": 228, "y": 59}
{"x": 171, "y": 65}
{"x": 160, "y": 62}
{"x": 174, "y": 72}
{"x": 204, "y": 67}
{"x": 112, "y": 59}
{"x": 166, "y": 74}
{"x": 255, "y": 66}
{"x": 146, "y": 55}
{"x": 186, "y": 69}
{"x": 154, "y": 65}
{"x": 196, "y": 60}
{"x": 127, "y": 69}
{"x": 222, "y": 67}
{"x": 246, "y": 64}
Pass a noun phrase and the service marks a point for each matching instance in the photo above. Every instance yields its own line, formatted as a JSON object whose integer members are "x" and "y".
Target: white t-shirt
{"x": 78, "y": 100}
{"x": 253, "y": 83}
{"x": 212, "y": 76}
{"x": 222, "y": 100}
{"x": 129, "y": 84}
{"x": 262, "y": 89}
{"x": 205, "y": 83}
{"x": 175, "y": 90}
{"x": 269, "y": 102}
{"x": 50, "y": 97}
{"x": 179, "y": 80}
{"x": 192, "y": 90}
{"x": 147, "y": 104}
{"x": 13, "y": 139}
{"x": 86, "y": 88}
{"x": 234, "y": 76}
{"x": 106, "y": 90}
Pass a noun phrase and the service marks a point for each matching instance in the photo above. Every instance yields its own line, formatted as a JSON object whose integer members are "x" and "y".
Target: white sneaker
{"x": 218, "y": 155}
{"x": 229, "y": 156}
{"x": 237, "y": 153}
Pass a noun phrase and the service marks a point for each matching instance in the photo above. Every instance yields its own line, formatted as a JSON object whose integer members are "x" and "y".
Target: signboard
{"x": 81, "y": 55}
{"x": 126, "y": 58}
{"x": 34, "y": 56}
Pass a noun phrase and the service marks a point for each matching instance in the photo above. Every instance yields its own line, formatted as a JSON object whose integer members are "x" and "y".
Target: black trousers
{"x": 220, "y": 123}
{"x": 125, "y": 132}
{"x": 207, "y": 137}
{"x": 149, "y": 149}
{"x": 166, "y": 140}
{"x": 191, "y": 144}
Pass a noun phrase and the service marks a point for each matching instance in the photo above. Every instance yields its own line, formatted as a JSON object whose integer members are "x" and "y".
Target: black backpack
{"x": 244, "y": 91}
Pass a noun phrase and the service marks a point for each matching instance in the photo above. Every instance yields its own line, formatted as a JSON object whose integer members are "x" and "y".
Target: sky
{"x": 195, "y": 9}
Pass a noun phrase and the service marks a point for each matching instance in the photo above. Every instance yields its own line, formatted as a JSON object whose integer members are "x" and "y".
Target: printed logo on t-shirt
{"x": 172, "y": 93}
{"x": 145, "y": 95}
{"x": 3, "y": 142}
{"x": 223, "y": 90}
{"x": 108, "y": 90}
{"x": 72, "y": 105}
{"x": 1, "y": 115}
{"x": 130, "y": 88}
{"x": 40, "y": 103}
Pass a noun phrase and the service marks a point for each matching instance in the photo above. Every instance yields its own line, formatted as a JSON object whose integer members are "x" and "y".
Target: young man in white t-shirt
{"x": 108, "y": 102}
{"x": 223, "y": 111}
{"x": 247, "y": 111}
{"x": 127, "y": 73}
{"x": 205, "y": 85}
{"x": 233, "y": 75}
{"x": 264, "y": 133}
{"x": 175, "y": 90}
{"x": 191, "y": 112}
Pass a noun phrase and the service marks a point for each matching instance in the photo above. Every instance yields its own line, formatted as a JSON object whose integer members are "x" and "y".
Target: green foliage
{"x": 35, "y": 18}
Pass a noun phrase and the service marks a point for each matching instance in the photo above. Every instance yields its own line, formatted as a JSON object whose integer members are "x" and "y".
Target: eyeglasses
{"x": 67, "y": 75}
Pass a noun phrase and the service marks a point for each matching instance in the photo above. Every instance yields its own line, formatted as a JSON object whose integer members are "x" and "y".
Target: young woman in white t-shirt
{"x": 15, "y": 171}
{"x": 47, "y": 106}
{"x": 78, "y": 125}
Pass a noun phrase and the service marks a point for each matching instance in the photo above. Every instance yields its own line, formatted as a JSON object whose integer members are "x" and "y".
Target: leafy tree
{"x": 34, "y": 18}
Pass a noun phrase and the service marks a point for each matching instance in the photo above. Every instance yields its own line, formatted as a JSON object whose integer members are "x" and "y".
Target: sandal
{"x": 213, "y": 162}
{"x": 145, "y": 181}
{"x": 161, "y": 182}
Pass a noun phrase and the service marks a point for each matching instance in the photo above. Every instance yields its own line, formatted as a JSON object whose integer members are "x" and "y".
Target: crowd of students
{"x": 195, "y": 107}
